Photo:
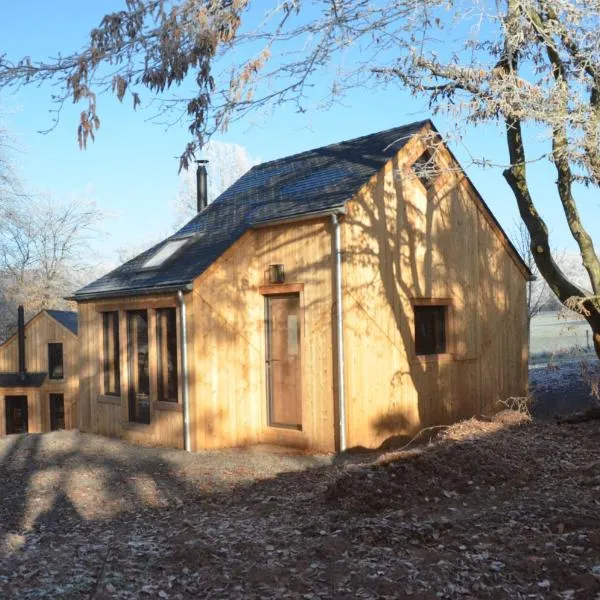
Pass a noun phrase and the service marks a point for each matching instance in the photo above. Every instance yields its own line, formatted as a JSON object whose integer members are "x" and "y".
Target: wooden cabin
{"x": 341, "y": 297}
{"x": 39, "y": 380}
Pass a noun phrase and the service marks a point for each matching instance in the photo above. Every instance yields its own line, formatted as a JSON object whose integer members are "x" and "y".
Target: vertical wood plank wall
{"x": 229, "y": 401}
{"x": 40, "y": 331}
{"x": 226, "y": 346}
{"x": 401, "y": 243}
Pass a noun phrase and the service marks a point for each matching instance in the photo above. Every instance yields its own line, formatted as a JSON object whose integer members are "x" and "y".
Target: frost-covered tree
{"x": 520, "y": 63}
{"x": 44, "y": 254}
{"x": 226, "y": 164}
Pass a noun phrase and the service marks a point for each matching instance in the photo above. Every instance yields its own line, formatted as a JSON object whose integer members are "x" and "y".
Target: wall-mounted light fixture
{"x": 276, "y": 274}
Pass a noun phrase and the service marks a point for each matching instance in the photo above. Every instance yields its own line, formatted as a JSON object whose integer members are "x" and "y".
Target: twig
{"x": 418, "y": 434}
{"x": 100, "y": 574}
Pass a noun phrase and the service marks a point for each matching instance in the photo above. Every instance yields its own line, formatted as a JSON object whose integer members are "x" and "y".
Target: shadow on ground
{"x": 489, "y": 511}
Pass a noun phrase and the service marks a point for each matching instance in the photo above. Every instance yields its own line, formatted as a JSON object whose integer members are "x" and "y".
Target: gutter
{"x": 339, "y": 332}
{"x": 127, "y": 293}
{"x": 184, "y": 367}
{"x": 338, "y": 210}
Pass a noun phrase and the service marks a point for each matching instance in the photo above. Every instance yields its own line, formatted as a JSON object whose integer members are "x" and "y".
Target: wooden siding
{"x": 402, "y": 243}
{"x": 227, "y": 358}
{"x": 39, "y": 332}
{"x": 226, "y": 348}
{"x": 109, "y": 415}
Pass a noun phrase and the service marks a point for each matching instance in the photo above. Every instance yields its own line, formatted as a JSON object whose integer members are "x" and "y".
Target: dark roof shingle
{"x": 309, "y": 182}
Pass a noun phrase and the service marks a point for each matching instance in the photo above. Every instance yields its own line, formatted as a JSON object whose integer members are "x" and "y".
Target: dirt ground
{"x": 489, "y": 510}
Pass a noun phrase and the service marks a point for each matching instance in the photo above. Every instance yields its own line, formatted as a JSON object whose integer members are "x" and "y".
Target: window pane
{"x": 425, "y": 169}
{"x": 166, "y": 336}
{"x": 57, "y": 412}
{"x": 139, "y": 366}
{"x": 430, "y": 329}
{"x": 112, "y": 371}
{"x": 55, "y": 361}
{"x": 161, "y": 255}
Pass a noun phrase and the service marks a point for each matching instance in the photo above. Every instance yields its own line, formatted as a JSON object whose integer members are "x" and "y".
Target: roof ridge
{"x": 347, "y": 141}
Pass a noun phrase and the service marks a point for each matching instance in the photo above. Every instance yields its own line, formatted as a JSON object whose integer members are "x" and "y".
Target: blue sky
{"x": 131, "y": 169}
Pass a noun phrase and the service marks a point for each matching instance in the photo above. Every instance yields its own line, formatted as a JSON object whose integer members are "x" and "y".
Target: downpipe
{"x": 184, "y": 366}
{"x": 339, "y": 332}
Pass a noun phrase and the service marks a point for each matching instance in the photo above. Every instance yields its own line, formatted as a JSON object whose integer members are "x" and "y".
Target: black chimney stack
{"x": 21, "y": 325}
{"x": 201, "y": 185}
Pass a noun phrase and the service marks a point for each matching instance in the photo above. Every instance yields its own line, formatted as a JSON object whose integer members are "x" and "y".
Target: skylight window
{"x": 164, "y": 253}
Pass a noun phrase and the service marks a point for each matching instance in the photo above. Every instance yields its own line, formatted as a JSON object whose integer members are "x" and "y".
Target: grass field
{"x": 553, "y": 335}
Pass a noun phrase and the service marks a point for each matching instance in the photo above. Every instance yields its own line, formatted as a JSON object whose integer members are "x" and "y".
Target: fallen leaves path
{"x": 488, "y": 511}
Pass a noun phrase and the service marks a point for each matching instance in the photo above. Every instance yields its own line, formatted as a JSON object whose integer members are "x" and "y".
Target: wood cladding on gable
{"x": 398, "y": 241}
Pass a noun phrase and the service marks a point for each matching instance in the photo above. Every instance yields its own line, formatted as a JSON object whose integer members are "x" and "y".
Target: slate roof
{"x": 68, "y": 318}
{"x": 32, "y": 380}
{"x": 310, "y": 182}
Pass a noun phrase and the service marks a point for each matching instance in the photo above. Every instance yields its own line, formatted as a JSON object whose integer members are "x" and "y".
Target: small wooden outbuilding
{"x": 39, "y": 375}
{"x": 345, "y": 296}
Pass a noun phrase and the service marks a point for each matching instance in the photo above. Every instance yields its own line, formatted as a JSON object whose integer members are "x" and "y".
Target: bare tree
{"x": 537, "y": 289}
{"x": 44, "y": 254}
{"x": 512, "y": 62}
{"x": 226, "y": 164}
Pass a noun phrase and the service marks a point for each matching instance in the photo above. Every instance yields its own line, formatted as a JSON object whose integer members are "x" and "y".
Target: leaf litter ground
{"x": 490, "y": 509}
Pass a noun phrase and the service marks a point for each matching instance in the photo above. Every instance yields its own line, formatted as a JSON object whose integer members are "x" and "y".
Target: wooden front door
{"x": 283, "y": 354}
{"x": 57, "y": 412}
{"x": 16, "y": 414}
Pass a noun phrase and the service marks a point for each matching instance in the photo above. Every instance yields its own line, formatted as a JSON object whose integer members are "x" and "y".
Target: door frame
{"x": 50, "y": 403}
{"x": 6, "y": 411}
{"x": 268, "y": 292}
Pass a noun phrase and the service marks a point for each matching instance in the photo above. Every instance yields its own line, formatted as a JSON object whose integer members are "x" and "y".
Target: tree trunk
{"x": 564, "y": 289}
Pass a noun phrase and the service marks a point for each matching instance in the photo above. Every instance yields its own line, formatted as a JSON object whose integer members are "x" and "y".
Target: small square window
{"x": 425, "y": 168}
{"x": 430, "y": 329}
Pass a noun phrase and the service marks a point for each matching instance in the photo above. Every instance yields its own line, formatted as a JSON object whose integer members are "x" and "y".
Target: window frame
{"x": 433, "y": 302}
{"x": 182, "y": 243}
{"x": 62, "y": 362}
{"x": 116, "y": 350}
{"x": 427, "y": 156}
{"x": 135, "y": 397}
{"x": 159, "y": 356}
{"x": 53, "y": 396}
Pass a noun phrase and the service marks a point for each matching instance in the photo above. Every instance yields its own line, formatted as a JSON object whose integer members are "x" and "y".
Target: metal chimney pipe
{"x": 201, "y": 185}
{"x": 21, "y": 334}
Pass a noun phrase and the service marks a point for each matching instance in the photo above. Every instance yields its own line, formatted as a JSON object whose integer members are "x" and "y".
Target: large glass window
{"x": 55, "y": 361}
{"x": 166, "y": 339}
{"x": 139, "y": 366}
{"x": 430, "y": 329}
{"x": 112, "y": 371}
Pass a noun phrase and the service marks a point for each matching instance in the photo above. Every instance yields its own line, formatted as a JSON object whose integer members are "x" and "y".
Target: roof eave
{"x": 127, "y": 293}
{"x": 336, "y": 210}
